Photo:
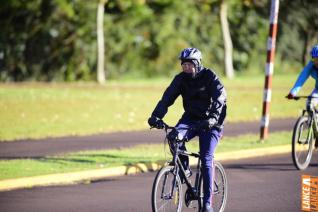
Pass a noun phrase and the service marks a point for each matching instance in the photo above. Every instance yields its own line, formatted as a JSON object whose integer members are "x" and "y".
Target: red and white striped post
{"x": 269, "y": 69}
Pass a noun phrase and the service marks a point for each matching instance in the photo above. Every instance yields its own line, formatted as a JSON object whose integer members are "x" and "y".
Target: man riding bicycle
{"x": 204, "y": 103}
{"x": 311, "y": 69}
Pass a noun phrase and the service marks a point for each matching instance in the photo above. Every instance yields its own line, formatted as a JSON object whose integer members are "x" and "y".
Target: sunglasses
{"x": 314, "y": 59}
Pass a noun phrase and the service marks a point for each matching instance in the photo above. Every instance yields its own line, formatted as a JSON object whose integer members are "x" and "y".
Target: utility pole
{"x": 269, "y": 69}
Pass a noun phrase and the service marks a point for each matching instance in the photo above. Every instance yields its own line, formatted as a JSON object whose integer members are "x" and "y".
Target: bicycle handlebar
{"x": 303, "y": 97}
{"x": 167, "y": 127}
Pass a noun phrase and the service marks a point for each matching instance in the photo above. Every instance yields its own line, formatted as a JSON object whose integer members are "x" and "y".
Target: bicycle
{"x": 305, "y": 135}
{"x": 167, "y": 186}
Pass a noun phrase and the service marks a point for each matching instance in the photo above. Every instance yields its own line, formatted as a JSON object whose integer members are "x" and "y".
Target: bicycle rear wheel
{"x": 219, "y": 195}
{"x": 302, "y": 143}
{"x": 161, "y": 198}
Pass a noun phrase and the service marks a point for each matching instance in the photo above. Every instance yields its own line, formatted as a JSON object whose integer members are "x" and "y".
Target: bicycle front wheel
{"x": 302, "y": 143}
{"x": 162, "y": 199}
{"x": 219, "y": 195}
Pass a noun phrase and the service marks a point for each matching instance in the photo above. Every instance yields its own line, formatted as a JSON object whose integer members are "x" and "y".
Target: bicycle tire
{"x": 220, "y": 191}
{"x": 162, "y": 187}
{"x": 302, "y": 148}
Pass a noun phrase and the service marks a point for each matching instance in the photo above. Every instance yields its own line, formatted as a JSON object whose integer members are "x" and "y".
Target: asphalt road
{"x": 256, "y": 184}
{"x": 52, "y": 146}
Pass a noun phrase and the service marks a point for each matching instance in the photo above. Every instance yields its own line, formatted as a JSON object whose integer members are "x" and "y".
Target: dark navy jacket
{"x": 203, "y": 97}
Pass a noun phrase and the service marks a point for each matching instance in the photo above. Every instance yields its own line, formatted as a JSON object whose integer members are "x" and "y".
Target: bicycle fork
{"x": 175, "y": 173}
{"x": 178, "y": 169}
{"x": 314, "y": 128}
{"x": 312, "y": 125}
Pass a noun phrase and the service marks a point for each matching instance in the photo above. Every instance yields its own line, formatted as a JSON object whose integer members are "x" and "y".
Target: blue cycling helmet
{"x": 190, "y": 54}
{"x": 314, "y": 51}
{"x": 194, "y": 56}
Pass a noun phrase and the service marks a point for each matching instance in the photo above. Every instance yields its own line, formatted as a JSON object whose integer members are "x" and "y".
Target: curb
{"x": 89, "y": 175}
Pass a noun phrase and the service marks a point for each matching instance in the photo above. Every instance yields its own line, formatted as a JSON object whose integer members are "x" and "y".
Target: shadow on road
{"x": 143, "y": 167}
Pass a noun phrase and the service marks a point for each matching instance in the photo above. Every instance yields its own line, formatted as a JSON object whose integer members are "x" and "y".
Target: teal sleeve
{"x": 303, "y": 76}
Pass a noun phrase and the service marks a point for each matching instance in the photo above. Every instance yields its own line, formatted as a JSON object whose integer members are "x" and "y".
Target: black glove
{"x": 156, "y": 122}
{"x": 290, "y": 96}
{"x": 206, "y": 124}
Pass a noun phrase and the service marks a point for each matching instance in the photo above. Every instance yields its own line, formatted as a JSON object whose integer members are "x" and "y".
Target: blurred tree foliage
{"x": 299, "y": 31}
{"x": 47, "y": 40}
{"x": 55, "y": 40}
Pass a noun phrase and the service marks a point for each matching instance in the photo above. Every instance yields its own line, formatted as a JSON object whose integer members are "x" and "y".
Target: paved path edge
{"x": 90, "y": 175}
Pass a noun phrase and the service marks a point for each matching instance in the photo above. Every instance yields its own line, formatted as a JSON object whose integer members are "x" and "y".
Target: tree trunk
{"x": 228, "y": 46}
{"x": 101, "y": 78}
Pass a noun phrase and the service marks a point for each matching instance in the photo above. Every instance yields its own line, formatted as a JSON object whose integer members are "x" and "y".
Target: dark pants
{"x": 208, "y": 139}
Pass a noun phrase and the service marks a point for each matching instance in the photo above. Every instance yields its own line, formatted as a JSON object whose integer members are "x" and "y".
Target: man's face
{"x": 315, "y": 61}
{"x": 188, "y": 67}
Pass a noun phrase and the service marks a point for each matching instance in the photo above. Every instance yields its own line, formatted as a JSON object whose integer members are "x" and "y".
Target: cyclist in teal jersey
{"x": 311, "y": 69}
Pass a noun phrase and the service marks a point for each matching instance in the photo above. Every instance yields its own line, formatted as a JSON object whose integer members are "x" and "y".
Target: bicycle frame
{"x": 178, "y": 168}
{"x": 313, "y": 122}
{"x": 312, "y": 113}
{"x": 173, "y": 175}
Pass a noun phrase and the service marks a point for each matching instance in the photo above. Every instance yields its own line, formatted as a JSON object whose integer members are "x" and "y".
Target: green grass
{"x": 38, "y": 110}
{"x": 110, "y": 158}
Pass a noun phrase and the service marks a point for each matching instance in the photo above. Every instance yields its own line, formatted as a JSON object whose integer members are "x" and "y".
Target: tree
{"x": 228, "y": 46}
{"x": 63, "y": 40}
{"x": 100, "y": 42}
{"x": 47, "y": 40}
{"x": 299, "y": 25}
